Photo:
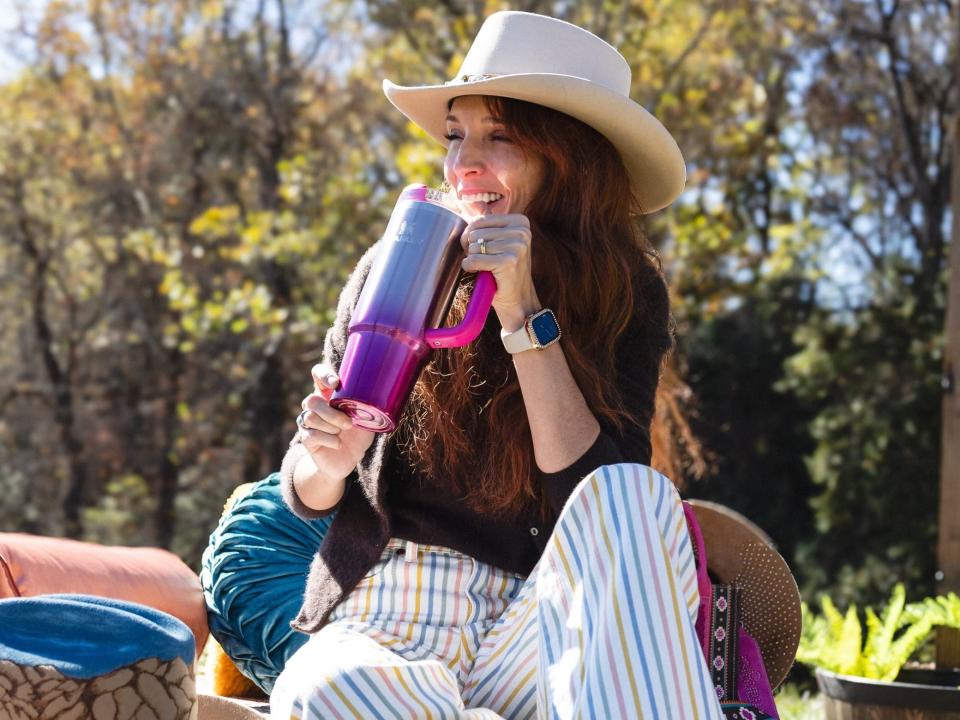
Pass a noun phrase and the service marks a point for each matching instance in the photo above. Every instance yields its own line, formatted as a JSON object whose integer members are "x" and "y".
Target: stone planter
{"x": 916, "y": 695}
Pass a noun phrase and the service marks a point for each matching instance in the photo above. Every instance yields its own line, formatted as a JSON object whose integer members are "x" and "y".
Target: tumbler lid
{"x": 415, "y": 191}
{"x": 422, "y": 193}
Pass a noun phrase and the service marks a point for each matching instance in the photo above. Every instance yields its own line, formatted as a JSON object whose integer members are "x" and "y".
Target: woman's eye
{"x": 451, "y": 136}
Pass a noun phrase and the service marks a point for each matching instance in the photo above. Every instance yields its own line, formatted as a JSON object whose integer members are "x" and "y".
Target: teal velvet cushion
{"x": 253, "y": 575}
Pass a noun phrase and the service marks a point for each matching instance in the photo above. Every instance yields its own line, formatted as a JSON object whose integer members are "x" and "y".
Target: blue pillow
{"x": 84, "y": 636}
{"x": 253, "y": 574}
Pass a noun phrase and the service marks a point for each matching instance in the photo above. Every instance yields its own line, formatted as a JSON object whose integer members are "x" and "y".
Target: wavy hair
{"x": 466, "y": 410}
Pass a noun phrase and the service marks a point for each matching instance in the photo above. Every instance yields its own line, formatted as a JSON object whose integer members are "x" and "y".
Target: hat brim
{"x": 740, "y": 553}
{"x": 650, "y": 154}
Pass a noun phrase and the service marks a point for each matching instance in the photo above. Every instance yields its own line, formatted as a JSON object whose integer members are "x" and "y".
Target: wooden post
{"x": 948, "y": 551}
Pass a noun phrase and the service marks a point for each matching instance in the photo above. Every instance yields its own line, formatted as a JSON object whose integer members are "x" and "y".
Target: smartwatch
{"x": 539, "y": 331}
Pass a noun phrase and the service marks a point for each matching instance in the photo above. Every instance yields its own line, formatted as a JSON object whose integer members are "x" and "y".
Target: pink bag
{"x": 733, "y": 657}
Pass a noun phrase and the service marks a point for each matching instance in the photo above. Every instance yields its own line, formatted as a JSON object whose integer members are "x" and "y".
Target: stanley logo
{"x": 407, "y": 233}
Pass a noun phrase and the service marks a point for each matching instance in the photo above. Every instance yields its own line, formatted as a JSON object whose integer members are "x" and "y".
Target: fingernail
{"x": 330, "y": 379}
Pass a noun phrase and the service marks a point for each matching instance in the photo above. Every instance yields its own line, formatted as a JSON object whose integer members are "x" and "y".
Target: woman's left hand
{"x": 506, "y": 240}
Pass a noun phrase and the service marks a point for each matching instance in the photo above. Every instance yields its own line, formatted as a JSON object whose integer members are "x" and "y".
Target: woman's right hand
{"x": 334, "y": 444}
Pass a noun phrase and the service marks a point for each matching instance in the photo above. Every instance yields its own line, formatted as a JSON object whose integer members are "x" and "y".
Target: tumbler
{"x": 404, "y": 301}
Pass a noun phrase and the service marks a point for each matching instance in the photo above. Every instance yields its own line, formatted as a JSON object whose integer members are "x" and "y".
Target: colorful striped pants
{"x": 602, "y": 628}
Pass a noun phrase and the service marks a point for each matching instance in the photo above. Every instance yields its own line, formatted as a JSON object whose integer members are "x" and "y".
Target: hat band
{"x": 471, "y": 78}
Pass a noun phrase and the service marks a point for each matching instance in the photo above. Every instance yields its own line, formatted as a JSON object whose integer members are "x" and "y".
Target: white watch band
{"x": 518, "y": 340}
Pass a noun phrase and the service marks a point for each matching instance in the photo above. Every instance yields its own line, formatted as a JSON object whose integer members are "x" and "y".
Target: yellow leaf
{"x": 211, "y": 9}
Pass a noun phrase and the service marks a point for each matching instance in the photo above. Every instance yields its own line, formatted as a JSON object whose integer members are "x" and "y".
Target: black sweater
{"x": 386, "y": 498}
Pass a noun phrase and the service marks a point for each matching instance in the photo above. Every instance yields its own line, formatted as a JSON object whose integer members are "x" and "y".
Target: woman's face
{"x": 488, "y": 171}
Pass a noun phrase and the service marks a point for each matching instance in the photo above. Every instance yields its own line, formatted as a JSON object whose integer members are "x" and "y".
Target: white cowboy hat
{"x": 556, "y": 64}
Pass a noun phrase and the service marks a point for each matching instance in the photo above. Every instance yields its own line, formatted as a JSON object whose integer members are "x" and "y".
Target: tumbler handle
{"x": 473, "y": 320}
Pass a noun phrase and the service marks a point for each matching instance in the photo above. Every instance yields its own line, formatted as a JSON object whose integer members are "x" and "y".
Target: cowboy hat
{"x": 740, "y": 553}
{"x": 556, "y": 64}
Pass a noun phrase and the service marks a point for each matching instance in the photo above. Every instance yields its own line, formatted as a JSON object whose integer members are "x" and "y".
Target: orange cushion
{"x": 32, "y": 565}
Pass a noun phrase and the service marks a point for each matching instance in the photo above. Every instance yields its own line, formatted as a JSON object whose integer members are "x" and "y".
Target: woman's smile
{"x": 482, "y": 202}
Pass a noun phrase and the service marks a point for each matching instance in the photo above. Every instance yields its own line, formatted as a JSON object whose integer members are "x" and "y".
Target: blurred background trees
{"x": 184, "y": 185}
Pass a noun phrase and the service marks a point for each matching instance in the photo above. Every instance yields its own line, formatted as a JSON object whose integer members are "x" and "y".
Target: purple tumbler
{"x": 404, "y": 300}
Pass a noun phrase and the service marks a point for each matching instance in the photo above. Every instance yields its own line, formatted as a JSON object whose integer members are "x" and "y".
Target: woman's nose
{"x": 468, "y": 159}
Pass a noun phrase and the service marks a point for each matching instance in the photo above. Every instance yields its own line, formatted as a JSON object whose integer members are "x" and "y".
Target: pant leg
{"x": 605, "y": 626}
{"x": 399, "y": 644}
{"x": 503, "y": 678}
{"x": 341, "y": 673}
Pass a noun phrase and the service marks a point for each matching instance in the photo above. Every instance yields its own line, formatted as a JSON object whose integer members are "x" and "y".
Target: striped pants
{"x": 602, "y": 628}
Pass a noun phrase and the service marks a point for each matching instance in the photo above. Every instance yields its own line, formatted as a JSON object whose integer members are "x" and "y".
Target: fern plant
{"x": 835, "y": 642}
{"x": 942, "y": 610}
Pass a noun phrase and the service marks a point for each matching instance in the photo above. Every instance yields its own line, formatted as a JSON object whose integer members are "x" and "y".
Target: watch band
{"x": 517, "y": 341}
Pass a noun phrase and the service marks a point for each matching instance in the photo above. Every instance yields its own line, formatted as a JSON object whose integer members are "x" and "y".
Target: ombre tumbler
{"x": 404, "y": 300}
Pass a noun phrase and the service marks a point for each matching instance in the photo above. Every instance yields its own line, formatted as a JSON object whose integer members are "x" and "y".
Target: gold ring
{"x": 483, "y": 246}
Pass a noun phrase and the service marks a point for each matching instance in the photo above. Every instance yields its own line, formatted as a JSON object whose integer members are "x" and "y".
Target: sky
{"x": 14, "y": 54}
{"x": 9, "y": 15}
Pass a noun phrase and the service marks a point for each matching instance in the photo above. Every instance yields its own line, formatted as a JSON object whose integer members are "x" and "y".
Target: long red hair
{"x": 466, "y": 410}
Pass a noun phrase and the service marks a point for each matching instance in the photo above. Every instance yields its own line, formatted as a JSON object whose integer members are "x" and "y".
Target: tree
{"x": 878, "y": 104}
{"x": 203, "y": 202}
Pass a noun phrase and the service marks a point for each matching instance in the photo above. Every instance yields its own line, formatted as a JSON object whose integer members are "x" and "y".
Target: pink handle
{"x": 473, "y": 320}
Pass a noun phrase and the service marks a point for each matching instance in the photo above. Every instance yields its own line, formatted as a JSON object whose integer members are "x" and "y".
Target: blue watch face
{"x": 545, "y": 328}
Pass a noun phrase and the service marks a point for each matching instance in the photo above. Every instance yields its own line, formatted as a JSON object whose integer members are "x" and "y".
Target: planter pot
{"x": 916, "y": 695}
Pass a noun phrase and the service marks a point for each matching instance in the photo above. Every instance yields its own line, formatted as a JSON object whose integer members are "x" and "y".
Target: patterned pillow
{"x": 69, "y": 655}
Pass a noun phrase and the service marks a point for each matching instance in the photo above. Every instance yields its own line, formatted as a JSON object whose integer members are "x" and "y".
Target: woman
{"x": 507, "y": 552}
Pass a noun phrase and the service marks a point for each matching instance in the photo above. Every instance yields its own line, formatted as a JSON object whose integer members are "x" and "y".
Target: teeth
{"x": 481, "y": 197}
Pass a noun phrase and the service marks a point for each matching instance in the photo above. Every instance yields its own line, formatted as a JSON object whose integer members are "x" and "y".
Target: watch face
{"x": 545, "y": 328}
